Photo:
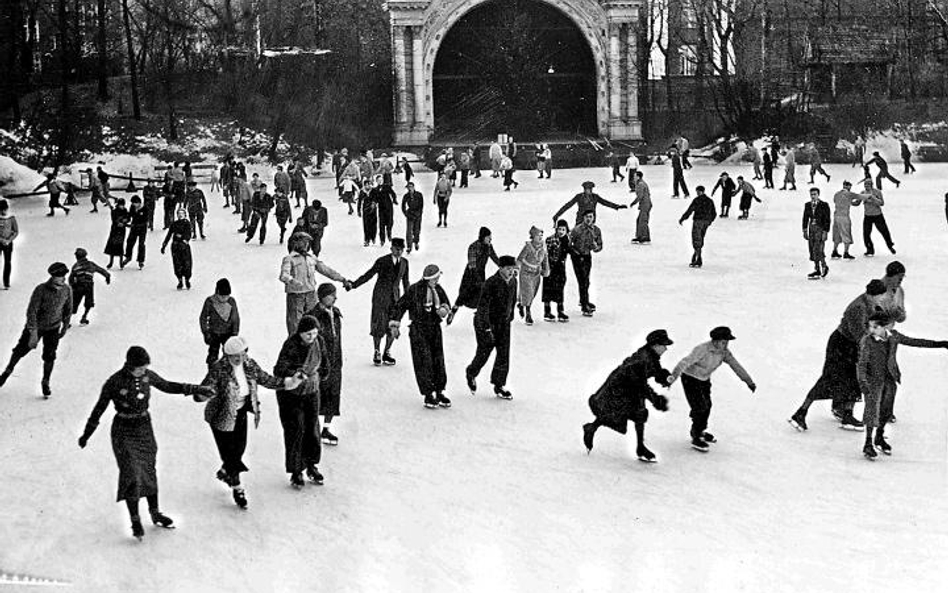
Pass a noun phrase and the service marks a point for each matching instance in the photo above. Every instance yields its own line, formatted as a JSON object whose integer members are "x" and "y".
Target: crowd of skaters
{"x": 308, "y": 374}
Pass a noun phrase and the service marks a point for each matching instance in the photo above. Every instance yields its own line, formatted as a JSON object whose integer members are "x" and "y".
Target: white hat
{"x": 235, "y": 345}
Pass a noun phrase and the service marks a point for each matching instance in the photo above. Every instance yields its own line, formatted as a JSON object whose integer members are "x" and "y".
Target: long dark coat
{"x": 475, "y": 273}
{"x": 557, "y": 250}
{"x": 179, "y": 233}
{"x": 391, "y": 284}
{"x": 330, "y": 385}
{"x": 622, "y": 397}
{"x": 115, "y": 245}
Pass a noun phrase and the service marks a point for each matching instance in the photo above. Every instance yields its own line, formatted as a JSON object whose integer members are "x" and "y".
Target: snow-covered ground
{"x": 493, "y": 495}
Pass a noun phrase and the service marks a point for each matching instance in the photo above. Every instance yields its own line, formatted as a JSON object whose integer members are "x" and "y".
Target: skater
{"x": 220, "y": 320}
{"x": 684, "y": 149}
{"x": 137, "y": 231}
{"x": 622, "y": 397}
{"x": 385, "y": 201}
{"x": 243, "y": 196}
{"x": 348, "y": 189}
{"x": 728, "y": 189}
{"x": 82, "y": 282}
{"x": 98, "y": 192}
{"x": 532, "y": 265}
{"x": 281, "y": 180}
{"x": 391, "y": 283}
{"x": 475, "y": 272}
{"x": 367, "y": 209}
{"x": 464, "y": 166}
{"x": 47, "y": 318}
{"x": 302, "y": 356}
{"x": 816, "y": 164}
{"x": 838, "y": 379}
{"x": 816, "y": 226}
{"x": 758, "y": 161}
{"x": 330, "y": 383}
{"x": 233, "y": 381}
{"x": 748, "y": 197}
{"x": 150, "y": 197}
{"x": 704, "y": 215}
{"x": 427, "y": 304}
{"x": 906, "y": 157}
{"x": 789, "y": 169}
{"x": 768, "y": 171}
{"x": 495, "y": 153}
{"x": 586, "y": 201}
{"x": 695, "y": 371}
{"x": 476, "y": 150}
{"x": 283, "y": 211}
{"x": 413, "y": 205}
{"x": 547, "y": 161}
{"x": 678, "y": 175}
{"x": 859, "y": 151}
{"x": 386, "y": 169}
{"x": 298, "y": 181}
{"x": 298, "y": 274}
{"x": 872, "y": 205}
{"x": 197, "y": 208}
{"x": 442, "y": 195}
{"x": 877, "y": 371}
{"x": 883, "y": 173}
{"x": 585, "y": 239}
{"x": 507, "y": 167}
{"x": 170, "y": 207}
{"x": 643, "y": 197}
{"x": 226, "y": 177}
{"x": 612, "y": 161}
{"x": 407, "y": 170}
{"x": 317, "y": 220}
{"x": 492, "y": 327}
{"x": 133, "y": 439}
{"x": 115, "y": 245}
{"x": 261, "y": 204}
{"x": 9, "y": 230}
{"x": 557, "y": 250}
{"x": 844, "y": 199}
{"x": 540, "y": 159}
{"x": 180, "y": 232}
{"x": 55, "y": 188}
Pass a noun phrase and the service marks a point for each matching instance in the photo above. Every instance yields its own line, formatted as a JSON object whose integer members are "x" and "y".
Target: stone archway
{"x": 419, "y": 28}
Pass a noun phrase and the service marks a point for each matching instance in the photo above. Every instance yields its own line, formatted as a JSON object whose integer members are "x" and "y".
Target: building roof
{"x": 849, "y": 44}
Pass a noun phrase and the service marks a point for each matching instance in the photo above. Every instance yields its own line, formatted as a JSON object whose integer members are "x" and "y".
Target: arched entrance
{"x": 516, "y": 66}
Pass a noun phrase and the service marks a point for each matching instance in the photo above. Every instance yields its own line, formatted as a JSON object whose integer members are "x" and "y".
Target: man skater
{"x": 769, "y": 165}
{"x": 385, "y": 200}
{"x": 261, "y": 204}
{"x": 585, "y": 239}
{"x": 873, "y": 201}
{"x": 612, "y": 161}
{"x": 842, "y": 224}
{"x": 427, "y": 304}
{"x": 728, "y": 189}
{"x": 492, "y": 327}
{"x": 622, "y": 397}
{"x": 631, "y": 167}
{"x": 586, "y": 201}
{"x": 643, "y": 197}
{"x": 816, "y": 226}
{"x": 678, "y": 176}
{"x": 906, "y": 157}
{"x": 56, "y": 189}
{"x": 392, "y": 281}
{"x": 197, "y": 208}
{"x": 748, "y": 196}
{"x": 883, "y": 173}
{"x": 82, "y": 281}
{"x": 150, "y": 197}
{"x": 816, "y": 164}
{"x": 47, "y": 319}
{"x": 695, "y": 371}
{"x": 790, "y": 168}
{"x": 413, "y": 205}
{"x": 137, "y": 230}
{"x": 704, "y": 215}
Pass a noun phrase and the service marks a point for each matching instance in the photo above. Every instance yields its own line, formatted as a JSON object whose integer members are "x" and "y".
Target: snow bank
{"x": 16, "y": 178}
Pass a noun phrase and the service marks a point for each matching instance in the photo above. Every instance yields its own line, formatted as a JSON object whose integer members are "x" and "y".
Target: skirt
{"x": 330, "y": 390}
{"x": 838, "y": 380}
{"x": 135, "y": 449}
{"x": 529, "y": 286}
{"x": 181, "y": 259}
{"x": 472, "y": 281}
{"x": 115, "y": 245}
{"x": 554, "y": 283}
{"x": 842, "y": 230}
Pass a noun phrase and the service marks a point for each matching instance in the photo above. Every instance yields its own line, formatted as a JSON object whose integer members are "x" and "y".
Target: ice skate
{"x": 798, "y": 421}
{"x": 313, "y": 474}
{"x": 589, "y": 432}
{"x": 502, "y": 393}
{"x": 296, "y": 480}
{"x": 850, "y": 423}
{"x": 643, "y": 454}
{"x": 377, "y": 359}
{"x": 708, "y": 437}
{"x": 328, "y": 438}
{"x": 387, "y": 359}
{"x": 430, "y": 402}
{"x": 698, "y": 444}
{"x": 442, "y": 400}
{"x": 161, "y": 520}
{"x": 870, "y": 452}
{"x": 471, "y": 382}
{"x": 138, "y": 532}
{"x": 883, "y": 445}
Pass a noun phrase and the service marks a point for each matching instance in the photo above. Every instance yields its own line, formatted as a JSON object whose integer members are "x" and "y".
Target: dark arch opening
{"x": 520, "y": 67}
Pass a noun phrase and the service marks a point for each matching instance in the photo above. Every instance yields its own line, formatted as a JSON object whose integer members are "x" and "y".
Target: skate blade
{"x": 702, "y": 450}
{"x": 795, "y": 425}
{"x": 851, "y": 428}
{"x": 647, "y": 460}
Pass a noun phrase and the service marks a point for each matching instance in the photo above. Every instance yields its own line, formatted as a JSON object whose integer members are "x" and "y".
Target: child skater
{"x": 695, "y": 372}
{"x": 878, "y": 374}
{"x": 82, "y": 281}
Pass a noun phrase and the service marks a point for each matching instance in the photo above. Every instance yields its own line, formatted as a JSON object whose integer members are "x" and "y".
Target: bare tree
{"x": 132, "y": 68}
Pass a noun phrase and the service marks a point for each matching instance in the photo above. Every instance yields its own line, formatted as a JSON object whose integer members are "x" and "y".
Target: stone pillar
{"x": 615, "y": 75}
{"x": 401, "y": 80}
{"x": 632, "y": 81}
{"x": 418, "y": 71}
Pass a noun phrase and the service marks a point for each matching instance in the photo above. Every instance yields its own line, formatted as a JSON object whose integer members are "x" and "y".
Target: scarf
{"x": 432, "y": 300}
{"x": 222, "y": 305}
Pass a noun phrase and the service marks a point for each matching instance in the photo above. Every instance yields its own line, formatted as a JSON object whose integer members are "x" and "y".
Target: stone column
{"x": 615, "y": 74}
{"x": 401, "y": 81}
{"x": 632, "y": 74}
{"x": 418, "y": 71}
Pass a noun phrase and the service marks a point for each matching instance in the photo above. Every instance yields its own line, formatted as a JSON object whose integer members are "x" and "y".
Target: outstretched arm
{"x": 565, "y": 207}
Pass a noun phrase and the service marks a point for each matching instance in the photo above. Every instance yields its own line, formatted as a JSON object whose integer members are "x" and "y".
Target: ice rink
{"x": 494, "y": 495}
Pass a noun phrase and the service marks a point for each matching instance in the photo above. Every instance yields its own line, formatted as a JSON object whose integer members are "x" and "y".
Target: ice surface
{"x": 493, "y": 495}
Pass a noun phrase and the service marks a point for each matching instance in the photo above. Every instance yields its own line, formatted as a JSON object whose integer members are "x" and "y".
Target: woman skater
{"x": 475, "y": 273}
{"x": 557, "y": 252}
{"x": 533, "y": 264}
{"x": 133, "y": 440}
{"x": 180, "y": 232}
{"x": 115, "y": 245}
{"x": 234, "y": 380}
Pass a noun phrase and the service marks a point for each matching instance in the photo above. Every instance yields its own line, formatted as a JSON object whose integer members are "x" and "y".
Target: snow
{"x": 493, "y": 495}
{"x": 16, "y": 178}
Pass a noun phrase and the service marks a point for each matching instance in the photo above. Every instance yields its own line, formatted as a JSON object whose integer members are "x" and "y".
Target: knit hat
{"x": 136, "y": 200}
{"x": 506, "y": 260}
{"x": 894, "y": 269}
{"x": 562, "y": 223}
{"x": 235, "y": 345}
{"x": 325, "y": 289}
{"x": 484, "y": 232}
{"x": 223, "y": 287}
{"x": 137, "y": 357}
{"x": 535, "y": 231}
{"x": 431, "y": 272}
{"x": 307, "y": 323}
{"x": 722, "y": 333}
{"x": 58, "y": 269}
{"x": 875, "y": 287}
{"x": 81, "y": 253}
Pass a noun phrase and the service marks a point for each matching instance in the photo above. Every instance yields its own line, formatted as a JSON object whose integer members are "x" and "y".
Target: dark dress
{"x": 424, "y": 335}
{"x": 180, "y": 235}
{"x": 330, "y": 385}
{"x": 622, "y": 397}
{"x": 475, "y": 273}
{"x": 115, "y": 246}
{"x": 557, "y": 250}
{"x": 133, "y": 440}
{"x": 391, "y": 284}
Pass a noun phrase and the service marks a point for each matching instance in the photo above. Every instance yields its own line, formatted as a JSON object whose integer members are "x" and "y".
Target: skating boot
{"x": 328, "y": 437}
{"x": 471, "y": 381}
{"x": 561, "y": 316}
{"x": 138, "y": 532}
{"x": 698, "y": 444}
{"x": 645, "y": 455}
{"x": 296, "y": 480}
{"x": 847, "y": 256}
{"x": 547, "y": 314}
{"x": 849, "y": 422}
{"x": 377, "y": 359}
{"x": 883, "y": 445}
{"x": 387, "y": 359}
{"x": 589, "y": 432}
{"x": 502, "y": 393}
{"x": 835, "y": 254}
{"x": 708, "y": 437}
{"x": 443, "y": 401}
{"x": 798, "y": 420}
{"x": 870, "y": 452}
{"x": 529, "y": 318}
{"x": 313, "y": 474}
{"x": 430, "y": 402}
{"x": 240, "y": 499}
{"x": 161, "y": 520}
{"x": 826, "y": 270}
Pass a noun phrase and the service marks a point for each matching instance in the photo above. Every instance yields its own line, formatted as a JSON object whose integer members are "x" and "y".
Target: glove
{"x": 443, "y": 311}
{"x": 83, "y": 440}
{"x": 450, "y": 316}
{"x": 622, "y": 207}
{"x": 347, "y": 284}
{"x": 162, "y": 251}
{"x": 680, "y": 222}
{"x": 256, "y": 420}
{"x": 806, "y": 236}
{"x": 661, "y": 403}
{"x": 34, "y": 339}
{"x": 752, "y": 386}
{"x": 393, "y": 329}
{"x": 63, "y": 331}
{"x": 108, "y": 280}
{"x": 204, "y": 392}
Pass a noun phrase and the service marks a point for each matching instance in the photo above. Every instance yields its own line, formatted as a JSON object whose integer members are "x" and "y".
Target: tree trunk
{"x": 136, "y": 106}
{"x": 168, "y": 83}
{"x": 102, "y": 93}
{"x": 65, "y": 130}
